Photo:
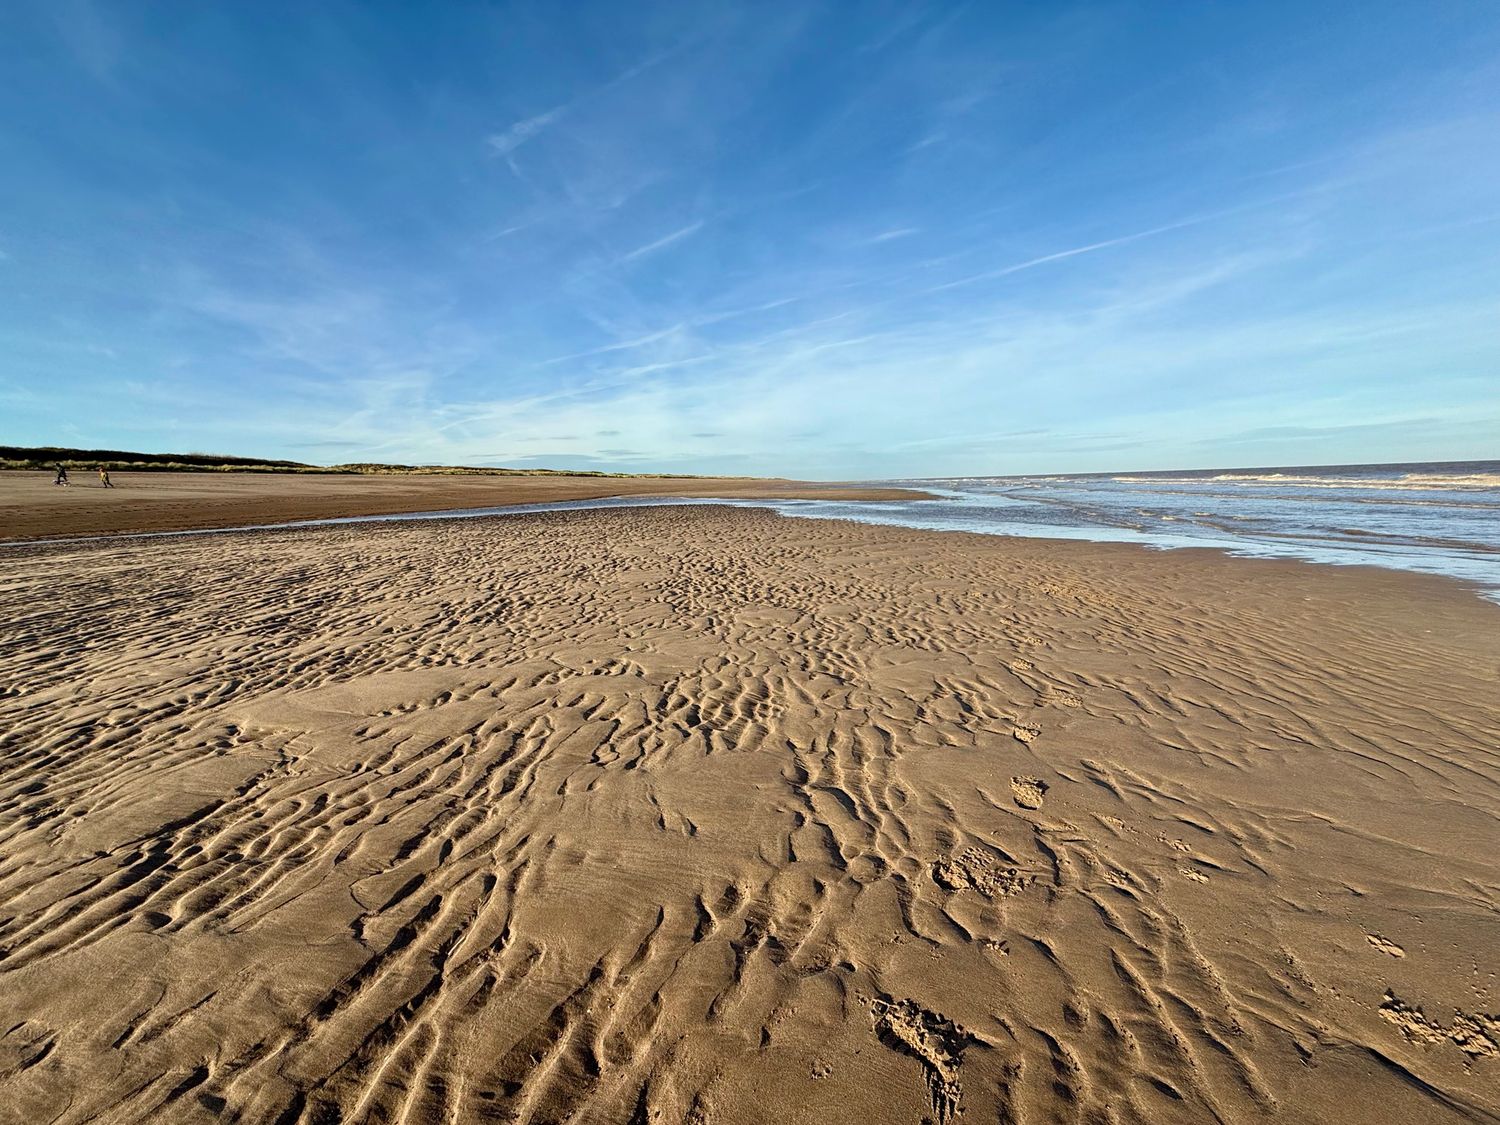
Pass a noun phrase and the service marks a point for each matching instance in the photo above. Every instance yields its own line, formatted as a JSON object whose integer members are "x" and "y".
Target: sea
{"x": 1434, "y": 518}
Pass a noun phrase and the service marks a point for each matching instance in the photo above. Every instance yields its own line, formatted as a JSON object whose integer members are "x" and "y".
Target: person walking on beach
{"x": 62, "y": 477}
{"x": 104, "y": 477}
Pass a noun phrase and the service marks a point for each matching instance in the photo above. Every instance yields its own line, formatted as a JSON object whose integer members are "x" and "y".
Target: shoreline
{"x": 33, "y": 509}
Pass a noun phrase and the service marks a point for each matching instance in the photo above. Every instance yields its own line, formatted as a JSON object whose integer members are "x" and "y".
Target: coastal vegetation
{"x": 120, "y": 460}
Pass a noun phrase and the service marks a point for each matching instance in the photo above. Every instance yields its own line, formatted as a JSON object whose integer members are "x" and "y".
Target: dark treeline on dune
{"x": 45, "y": 456}
{"x": 48, "y": 456}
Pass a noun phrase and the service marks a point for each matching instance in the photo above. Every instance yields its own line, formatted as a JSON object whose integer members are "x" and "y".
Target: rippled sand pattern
{"x": 697, "y": 815}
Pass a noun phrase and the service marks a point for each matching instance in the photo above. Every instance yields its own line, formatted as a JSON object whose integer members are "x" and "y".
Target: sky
{"x": 826, "y": 240}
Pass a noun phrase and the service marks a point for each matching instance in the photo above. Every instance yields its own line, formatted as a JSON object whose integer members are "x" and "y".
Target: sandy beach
{"x": 708, "y": 815}
{"x": 32, "y": 507}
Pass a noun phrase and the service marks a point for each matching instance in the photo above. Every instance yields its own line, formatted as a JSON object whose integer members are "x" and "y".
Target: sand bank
{"x": 32, "y": 507}
{"x": 707, "y": 815}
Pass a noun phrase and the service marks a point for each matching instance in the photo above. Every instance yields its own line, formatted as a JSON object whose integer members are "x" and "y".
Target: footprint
{"x": 1028, "y": 791}
{"x": 934, "y": 1041}
{"x": 974, "y": 870}
{"x": 1476, "y": 1034}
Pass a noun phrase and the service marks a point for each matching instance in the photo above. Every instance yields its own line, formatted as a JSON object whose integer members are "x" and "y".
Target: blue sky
{"x": 829, "y": 240}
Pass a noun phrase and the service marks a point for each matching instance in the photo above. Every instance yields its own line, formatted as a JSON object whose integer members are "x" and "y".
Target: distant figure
{"x": 104, "y": 477}
{"x": 62, "y": 477}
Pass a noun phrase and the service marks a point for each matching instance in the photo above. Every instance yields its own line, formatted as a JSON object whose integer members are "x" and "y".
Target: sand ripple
{"x": 705, "y": 815}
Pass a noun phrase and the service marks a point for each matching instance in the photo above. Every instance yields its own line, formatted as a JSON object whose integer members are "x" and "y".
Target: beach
{"x": 32, "y": 507}
{"x": 705, "y": 814}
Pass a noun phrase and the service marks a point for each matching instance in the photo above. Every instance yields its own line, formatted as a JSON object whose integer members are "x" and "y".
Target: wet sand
{"x": 706, "y": 815}
{"x": 32, "y": 507}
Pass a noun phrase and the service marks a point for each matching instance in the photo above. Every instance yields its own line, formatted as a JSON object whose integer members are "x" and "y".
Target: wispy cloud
{"x": 660, "y": 243}
{"x": 519, "y": 132}
{"x": 891, "y": 235}
{"x": 622, "y": 345}
{"x": 93, "y": 39}
{"x": 1074, "y": 252}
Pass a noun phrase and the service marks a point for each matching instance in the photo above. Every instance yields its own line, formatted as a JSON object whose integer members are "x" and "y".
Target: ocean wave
{"x": 1409, "y": 482}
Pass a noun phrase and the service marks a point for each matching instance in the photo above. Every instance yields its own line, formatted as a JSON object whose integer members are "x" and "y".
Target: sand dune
{"x": 705, "y": 815}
